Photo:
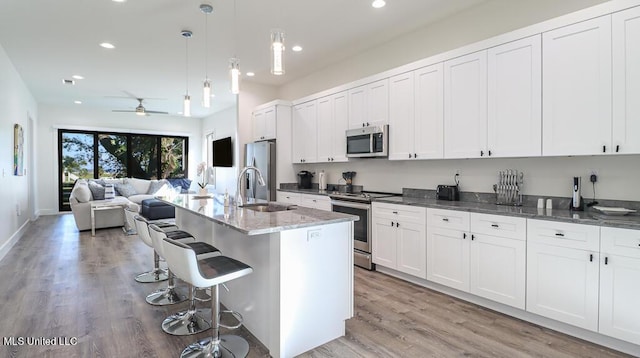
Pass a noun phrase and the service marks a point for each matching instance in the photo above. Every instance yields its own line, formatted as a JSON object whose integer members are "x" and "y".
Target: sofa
{"x": 129, "y": 192}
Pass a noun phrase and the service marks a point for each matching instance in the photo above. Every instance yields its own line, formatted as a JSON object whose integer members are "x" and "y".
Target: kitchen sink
{"x": 269, "y": 207}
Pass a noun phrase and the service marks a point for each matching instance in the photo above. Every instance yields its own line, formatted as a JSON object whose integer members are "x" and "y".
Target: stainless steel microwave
{"x": 372, "y": 141}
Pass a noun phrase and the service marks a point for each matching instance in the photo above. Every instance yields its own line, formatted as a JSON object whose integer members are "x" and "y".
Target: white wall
{"x": 51, "y": 118}
{"x": 543, "y": 176}
{"x": 17, "y": 105}
{"x": 223, "y": 124}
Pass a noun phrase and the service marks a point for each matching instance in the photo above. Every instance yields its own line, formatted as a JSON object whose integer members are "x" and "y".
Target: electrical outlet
{"x": 593, "y": 176}
{"x": 458, "y": 171}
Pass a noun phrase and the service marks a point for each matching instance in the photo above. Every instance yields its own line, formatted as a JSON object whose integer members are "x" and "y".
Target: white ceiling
{"x": 55, "y": 39}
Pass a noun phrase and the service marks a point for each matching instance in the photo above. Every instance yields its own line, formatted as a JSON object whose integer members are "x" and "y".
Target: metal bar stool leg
{"x": 168, "y": 295}
{"x": 155, "y": 275}
{"x": 188, "y": 322}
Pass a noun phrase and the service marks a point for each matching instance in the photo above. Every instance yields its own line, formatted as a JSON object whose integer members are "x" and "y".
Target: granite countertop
{"x": 588, "y": 217}
{"x": 251, "y": 222}
{"x": 315, "y": 191}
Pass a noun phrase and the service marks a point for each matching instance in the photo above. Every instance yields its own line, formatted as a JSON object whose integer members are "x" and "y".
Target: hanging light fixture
{"x": 186, "y": 110}
{"x": 234, "y": 66}
{"x": 206, "y": 86}
{"x": 277, "y": 50}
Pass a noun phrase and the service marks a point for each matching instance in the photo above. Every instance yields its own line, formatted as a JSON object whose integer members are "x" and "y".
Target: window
{"x": 93, "y": 155}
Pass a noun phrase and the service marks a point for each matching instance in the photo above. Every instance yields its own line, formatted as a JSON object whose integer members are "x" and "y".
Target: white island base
{"x": 301, "y": 290}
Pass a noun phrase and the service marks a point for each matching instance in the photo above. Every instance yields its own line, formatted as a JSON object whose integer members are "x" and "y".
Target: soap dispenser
{"x": 226, "y": 198}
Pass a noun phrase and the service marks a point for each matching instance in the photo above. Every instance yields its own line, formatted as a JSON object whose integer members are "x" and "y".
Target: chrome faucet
{"x": 240, "y": 199}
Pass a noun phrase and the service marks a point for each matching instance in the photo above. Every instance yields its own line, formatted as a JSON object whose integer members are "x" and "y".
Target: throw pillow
{"x": 125, "y": 189}
{"x": 97, "y": 190}
{"x": 81, "y": 191}
{"x": 156, "y": 185}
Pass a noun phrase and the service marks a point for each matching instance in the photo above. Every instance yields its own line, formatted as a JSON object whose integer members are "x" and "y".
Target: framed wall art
{"x": 18, "y": 150}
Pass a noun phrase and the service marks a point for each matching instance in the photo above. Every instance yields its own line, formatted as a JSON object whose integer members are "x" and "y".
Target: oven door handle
{"x": 349, "y": 204}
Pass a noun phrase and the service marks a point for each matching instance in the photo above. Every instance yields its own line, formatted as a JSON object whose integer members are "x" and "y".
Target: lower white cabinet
{"x": 399, "y": 238}
{"x": 287, "y": 197}
{"x": 563, "y": 272}
{"x": 448, "y": 257}
{"x": 620, "y": 284}
{"x": 320, "y": 202}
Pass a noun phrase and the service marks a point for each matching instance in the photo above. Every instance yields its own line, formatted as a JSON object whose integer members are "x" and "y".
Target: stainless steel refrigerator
{"x": 263, "y": 156}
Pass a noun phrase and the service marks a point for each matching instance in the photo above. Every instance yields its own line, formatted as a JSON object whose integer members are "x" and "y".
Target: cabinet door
{"x": 626, "y": 81}
{"x": 304, "y": 133}
{"x": 298, "y": 134}
{"x": 576, "y": 92}
{"x": 384, "y": 242}
{"x": 357, "y": 107}
{"x": 619, "y": 292}
{"x": 412, "y": 248}
{"x": 498, "y": 269}
{"x": 269, "y": 127}
{"x": 514, "y": 123}
{"x": 401, "y": 117}
{"x": 289, "y": 198}
{"x": 562, "y": 284}
{"x": 448, "y": 258}
{"x": 428, "y": 129}
{"x": 465, "y": 106}
{"x": 325, "y": 129}
{"x": 257, "y": 125}
{"x": 340, "y": 125}
{"x": 378, "y": 103}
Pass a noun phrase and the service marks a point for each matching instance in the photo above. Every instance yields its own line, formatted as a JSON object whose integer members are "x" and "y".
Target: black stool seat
{"x": 221, "y": 269}
{"x": 154, "y": 209}
{"x": 201, "y": 247}
{"x": 178, "y": 234}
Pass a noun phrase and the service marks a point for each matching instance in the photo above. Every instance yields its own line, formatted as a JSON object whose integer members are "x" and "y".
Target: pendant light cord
{"x": 206, "y": 47}
{"x": 187, "y": 62}
{"x": 235, "y": 30}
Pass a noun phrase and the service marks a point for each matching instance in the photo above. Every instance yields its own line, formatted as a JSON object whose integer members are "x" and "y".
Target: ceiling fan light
{"x": 186, "y": 108}
{"x": 234, "y": 72}
{"x": 277, "y": 50}
{"x": 206, "y": 94}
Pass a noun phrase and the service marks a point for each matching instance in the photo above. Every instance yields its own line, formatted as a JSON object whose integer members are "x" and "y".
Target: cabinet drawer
{"x": 289, "y": 198}
{"x": 501, "y": 226}
{"x": 448, "y": 219}
{"x": 576, "y": 236}
{"x": 399, "y": 212}
{"x": 321, "y": 202}
{"x": 623, "y": 242}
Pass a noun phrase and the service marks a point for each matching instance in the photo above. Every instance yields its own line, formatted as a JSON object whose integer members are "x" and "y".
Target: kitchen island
{"x": 301, "y": 290}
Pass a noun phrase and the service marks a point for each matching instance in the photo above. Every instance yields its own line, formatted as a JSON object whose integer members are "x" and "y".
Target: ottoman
{"x": 154, "y": 209}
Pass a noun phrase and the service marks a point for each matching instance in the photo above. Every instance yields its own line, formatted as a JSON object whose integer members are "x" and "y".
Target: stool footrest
{"x": 235, "y": 315}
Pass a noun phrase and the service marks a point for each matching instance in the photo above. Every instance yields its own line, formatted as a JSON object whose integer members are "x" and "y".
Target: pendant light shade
{"x": 186, "y": 110}
{"x": 277, "y": 51}
{"x": 206, "y": 85}
{"x": 206, "y": 93}
{"x": 234, "y": 72}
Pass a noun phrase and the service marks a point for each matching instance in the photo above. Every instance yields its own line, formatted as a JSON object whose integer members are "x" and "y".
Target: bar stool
{"x": 217, "y": 270}
{"x": 170, "y": 295}
{"x": 157, "y": 274}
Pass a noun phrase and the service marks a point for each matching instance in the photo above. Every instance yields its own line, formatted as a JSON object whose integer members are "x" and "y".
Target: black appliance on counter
{"x": 304, "y": 179}
{"x": 358, "y": 204}
{"x": 448, "y": 192}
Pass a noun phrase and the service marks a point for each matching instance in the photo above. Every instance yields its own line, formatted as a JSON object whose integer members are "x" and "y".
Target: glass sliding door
{"x": 144, "y": 157}
{"x": 76, "y": 161}
{"x": 112, "y": 156}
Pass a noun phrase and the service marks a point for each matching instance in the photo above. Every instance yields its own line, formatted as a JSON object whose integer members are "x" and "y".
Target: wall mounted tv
{"x": 222, "y": 153}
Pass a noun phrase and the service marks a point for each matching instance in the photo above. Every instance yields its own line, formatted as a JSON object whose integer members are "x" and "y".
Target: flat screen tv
{"x": 222, "y": 153}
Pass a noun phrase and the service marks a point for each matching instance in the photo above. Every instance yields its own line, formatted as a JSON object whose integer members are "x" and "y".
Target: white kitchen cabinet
{"x": 563, "y": 272}
{"x": 465, "y": 106}
{"x": 447, "y": 248}
{"x": 264, "y": 124}
{"x": 416, "y": 114}
{"x": 320, "y": 202}
{"x": 399, "y": 238}
{"x": 514, "y": 120}
{"x": 288, "y": 197}
{"x": 333, "y": 116}
{"x": 626, "y": 81}
{"x": 576, "y": 93}
{"x": 305, "y": 137}
{"x": 369, "y": 104}
{"x": 620, "y": 284}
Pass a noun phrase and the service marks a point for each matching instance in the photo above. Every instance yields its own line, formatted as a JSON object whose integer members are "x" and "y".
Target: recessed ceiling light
{"x": 296, "y": 48}
{"x": 78, "y": 77}
{"x": 250, "y": 74}
{"x": 378, "y": 3}
{"x": 77, "y": 102}
{"x": 119, "y": 0}
{"x": 107, "y": 45}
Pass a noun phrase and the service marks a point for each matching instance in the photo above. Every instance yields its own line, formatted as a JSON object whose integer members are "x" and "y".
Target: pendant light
{"x": 277, "y": 50}
{"x": 206, "y": 86}
{"x": 234, "y": 66}
{"x": 186, "y": 110}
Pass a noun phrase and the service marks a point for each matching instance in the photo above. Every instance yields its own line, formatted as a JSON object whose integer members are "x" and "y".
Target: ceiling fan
{"x": 140, "y": 110}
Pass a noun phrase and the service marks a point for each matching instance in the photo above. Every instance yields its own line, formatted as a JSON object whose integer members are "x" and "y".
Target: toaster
{"x": 448, "y": 192}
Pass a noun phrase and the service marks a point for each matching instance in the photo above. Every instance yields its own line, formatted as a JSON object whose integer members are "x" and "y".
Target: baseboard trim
{"x": 6, "y": 247}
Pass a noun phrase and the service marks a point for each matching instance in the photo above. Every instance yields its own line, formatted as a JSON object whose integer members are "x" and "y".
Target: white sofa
{"x": 130, "y": 192}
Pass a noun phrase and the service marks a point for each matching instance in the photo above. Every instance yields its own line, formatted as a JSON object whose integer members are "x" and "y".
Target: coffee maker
{"x": 577, "y": 204}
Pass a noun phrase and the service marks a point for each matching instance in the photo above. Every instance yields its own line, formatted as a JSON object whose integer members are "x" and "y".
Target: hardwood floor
{"x": 60, "y": 283}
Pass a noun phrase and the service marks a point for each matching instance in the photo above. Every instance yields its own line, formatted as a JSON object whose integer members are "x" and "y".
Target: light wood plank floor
{"x": 57, "y": 282}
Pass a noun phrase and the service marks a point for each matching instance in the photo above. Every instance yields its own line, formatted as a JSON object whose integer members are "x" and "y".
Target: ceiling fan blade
{"x": 123, "y": 110}
{"x": 156, "y": 112}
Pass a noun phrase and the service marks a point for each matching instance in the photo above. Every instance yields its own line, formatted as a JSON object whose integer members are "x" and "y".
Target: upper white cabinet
{"x": 514, "y": 123}
{"x": 264, "y": 123}
{"x": 333, "y": 114}
{"x": 626, "y": 82}
{"x": 369, "y": 104}
{"x": 305, "y": 138}
{"x": 465, "y": 106}
{"x": 416, "y": 114}
{"x": 576, "y": 91}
